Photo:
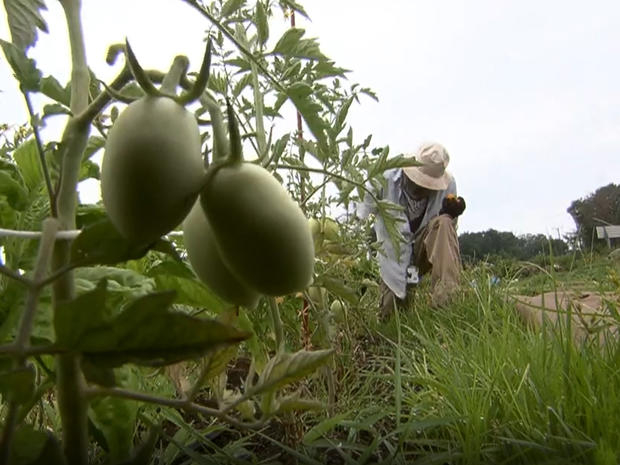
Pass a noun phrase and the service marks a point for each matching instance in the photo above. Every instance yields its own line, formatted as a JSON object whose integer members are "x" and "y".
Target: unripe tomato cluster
{"x": 244, "y": 234}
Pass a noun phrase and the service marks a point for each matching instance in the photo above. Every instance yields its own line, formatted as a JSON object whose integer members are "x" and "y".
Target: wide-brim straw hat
{"x": 432, "y": 173}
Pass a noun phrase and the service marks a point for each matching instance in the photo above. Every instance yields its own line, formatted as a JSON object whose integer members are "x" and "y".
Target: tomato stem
{"x": 236, "y": 149}
{"x": 277, "y": 324}
{"x": 220, "y": 137}
{"x": 138, "y": 72}
{"x": 171, "y": 81}
{"x": 201, "y": 81}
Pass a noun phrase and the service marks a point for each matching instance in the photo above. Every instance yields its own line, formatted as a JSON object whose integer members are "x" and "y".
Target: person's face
{"x": 417, "y": 192}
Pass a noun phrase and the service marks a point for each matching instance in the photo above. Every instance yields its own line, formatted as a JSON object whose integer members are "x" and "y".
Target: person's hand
{"x": 452, "y": 205}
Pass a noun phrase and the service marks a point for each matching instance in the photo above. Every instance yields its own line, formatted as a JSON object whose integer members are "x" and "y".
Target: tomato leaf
{"x": 300, "y": 94}
{"x": 16, "y": 195}
{"x": 25, "y": 68}
{"x": 116, "y": 418}
{"x": 55, "y": 109}
{"x": 24, "y": 19}
{"x": 262, "y": 25}
{"x": 87, "y": 312}
{"x": 104, "y": 376}
{"x": 18, "y": 383}
{"x": 147, "y": 333}
{"x": 286, "y": 368}
{"x": 293, "y": 5}
{"x": 292, "y": 45}
{"x": 27, "y": 158}
{"x": 54, "y": 90}
{"x": 35, "y": 447}
{"x": 231, "y": 6}
{"x": 101, "y": 243}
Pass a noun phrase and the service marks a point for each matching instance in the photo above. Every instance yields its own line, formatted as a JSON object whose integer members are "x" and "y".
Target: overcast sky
{"x": 524, "y": 94}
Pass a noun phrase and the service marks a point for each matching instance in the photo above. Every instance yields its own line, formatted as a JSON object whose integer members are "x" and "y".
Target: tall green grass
{"x": 468, "y": 384}
{"x": 506, "y": 394}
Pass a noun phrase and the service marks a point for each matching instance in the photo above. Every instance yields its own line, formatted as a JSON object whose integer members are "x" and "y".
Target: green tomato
{"x": 207, "y": 262}
{"x": 261, "y": 232}
{"x": 337, "y": 311}
{"x": 317, "y": 235}
{"x": 317, "y": 295}
{"x": 331, "y": 230}
{"x": 152, "y": 168}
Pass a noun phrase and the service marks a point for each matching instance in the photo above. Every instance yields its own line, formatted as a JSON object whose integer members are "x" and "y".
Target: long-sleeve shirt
{"x": 393, "y": 266}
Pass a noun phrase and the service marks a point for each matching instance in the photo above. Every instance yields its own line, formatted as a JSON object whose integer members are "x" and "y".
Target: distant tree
{"x": 598, "y": 208}
{"x": 501, "y": 244}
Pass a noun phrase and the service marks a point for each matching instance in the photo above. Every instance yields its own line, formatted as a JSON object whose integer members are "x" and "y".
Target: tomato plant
{"x": 109, "y": 293}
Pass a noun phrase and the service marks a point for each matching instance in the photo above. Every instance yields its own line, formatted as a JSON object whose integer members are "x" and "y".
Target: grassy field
{"x": 469, "y": 384}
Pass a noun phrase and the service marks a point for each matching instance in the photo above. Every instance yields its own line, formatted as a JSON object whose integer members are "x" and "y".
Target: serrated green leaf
{"x": 18, "y": 384}
{"x": 241, "y": 63}
{"x": 54, "y": 90}
{"x": 75, "y": 318}
{"x": 300, "y": 94}
{"x": 25, "y": 68}
{"x": 147, "y": 333}
{"x": 122, "y": 283}
{"x": 262, "y": 24}
{"x": 24, "y": 18}
{"x": 241, "y": 84}
{"x": 34, "y": 447}
{"x": 26, "y": 157}
{"x": 94, "y": 144}
{"x": 287, "y": 368}
{"x": 101, "y": 243}
{"x": 399, "y": 161}
{"x": 341, "y": 117}
{"x": 231, "y": 6}
{"x": 292, "y": 45}
{"x": 16, "y": 195}
{"x": 340, "y": 289}
{"x": 88, "y": 214}
{"x": 327, "y": 68}
{"x": 190, "y": 291}
{"x": 54, "y": 109}
{"x": 116, "y": 418}
{"x": 89, "y": 170}
{"x": 293, "y": 5}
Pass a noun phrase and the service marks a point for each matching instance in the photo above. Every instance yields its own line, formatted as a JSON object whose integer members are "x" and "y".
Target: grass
{"x": 469, "y": 384}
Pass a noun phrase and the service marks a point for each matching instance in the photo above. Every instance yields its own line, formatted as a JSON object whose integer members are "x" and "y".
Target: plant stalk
{"x": 277, "y": 324}
{"x": 72, "y": 403}
{"x": 22, "y": 339}
{"x": 44, "y": 168}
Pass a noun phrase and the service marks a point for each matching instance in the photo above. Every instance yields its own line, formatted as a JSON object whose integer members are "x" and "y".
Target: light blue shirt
{"x": 393, "y": 268}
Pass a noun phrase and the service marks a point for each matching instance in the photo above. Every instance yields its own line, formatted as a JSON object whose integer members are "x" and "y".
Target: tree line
{"x": 598, "y": 208}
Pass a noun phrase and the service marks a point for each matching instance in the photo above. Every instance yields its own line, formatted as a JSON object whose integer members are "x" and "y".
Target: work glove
{"x": 452, "y": 205}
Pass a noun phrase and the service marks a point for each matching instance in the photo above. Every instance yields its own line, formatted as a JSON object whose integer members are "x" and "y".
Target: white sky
{"x": 524, "y": 94}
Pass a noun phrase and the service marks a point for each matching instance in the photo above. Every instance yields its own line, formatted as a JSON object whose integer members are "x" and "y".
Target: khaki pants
{"x": 436, "y": 251}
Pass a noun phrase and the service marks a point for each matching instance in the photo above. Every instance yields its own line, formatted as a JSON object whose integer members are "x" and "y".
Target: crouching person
{"x": 427, "y": 224}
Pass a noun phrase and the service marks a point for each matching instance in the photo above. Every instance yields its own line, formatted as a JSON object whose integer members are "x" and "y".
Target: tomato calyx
{"x": 176, "y": 74}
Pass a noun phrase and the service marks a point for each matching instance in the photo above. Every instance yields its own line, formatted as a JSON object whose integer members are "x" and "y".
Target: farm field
{"x": 469, "y": 384}
{"x": 190, "y": 249}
